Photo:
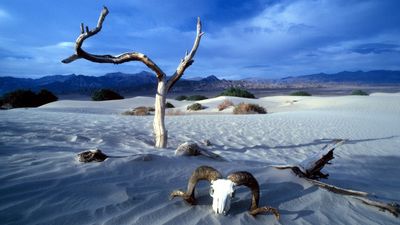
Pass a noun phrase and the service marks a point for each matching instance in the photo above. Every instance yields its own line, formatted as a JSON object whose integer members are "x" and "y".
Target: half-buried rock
{"x": 92, "y": 155}
{"x": 193, "y": 149}
{"x": 188, "y": 149}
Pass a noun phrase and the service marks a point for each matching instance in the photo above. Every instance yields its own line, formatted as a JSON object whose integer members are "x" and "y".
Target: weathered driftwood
{"x": 393, "y": 208}
{"x": 93, "y": 155}
{"x": 310, "y": 170}
{"x": 160, "y": 132}
{"x": 312, "y": 166}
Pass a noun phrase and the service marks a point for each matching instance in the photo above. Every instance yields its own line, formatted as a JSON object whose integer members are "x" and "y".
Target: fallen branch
{"x": 337, "y": 190}
{"x": 310, "y": 170}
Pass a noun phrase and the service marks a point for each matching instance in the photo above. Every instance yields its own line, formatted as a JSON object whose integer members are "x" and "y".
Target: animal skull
{"x": 222, "y": 192}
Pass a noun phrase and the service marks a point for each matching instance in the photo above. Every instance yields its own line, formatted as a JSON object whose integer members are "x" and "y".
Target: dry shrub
{"x": 225, "y": 104}
{"x": 246, "y": 108}
{"x": 141, "y": 111}
{"x": 138, "y": 111}
{"x": 174, "y": 112}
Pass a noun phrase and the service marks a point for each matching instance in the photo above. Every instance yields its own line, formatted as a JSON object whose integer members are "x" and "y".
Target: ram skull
{"x": 222, "y": 190}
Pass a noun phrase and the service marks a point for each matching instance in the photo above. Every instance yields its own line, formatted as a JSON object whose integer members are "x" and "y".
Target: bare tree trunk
{"x": 160, "y": 133}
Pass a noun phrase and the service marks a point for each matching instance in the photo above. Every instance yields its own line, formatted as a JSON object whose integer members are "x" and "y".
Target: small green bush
{"x": 169, "y": 105}
{"x": 300, "y": 93}
{"x": 196, "y": 98}
{"x": 246, "y": 108}
{"x": 181, "y": 97}
{"x": 237, "y": 92}
{"x": 105, "y": 94}
{"x": 27, "y": 98}
{"x": 195, "y": 107}
{"x": 359, "y": 92}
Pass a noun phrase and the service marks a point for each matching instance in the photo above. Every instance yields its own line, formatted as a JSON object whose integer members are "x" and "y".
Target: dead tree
{"x": 164, "y": 85}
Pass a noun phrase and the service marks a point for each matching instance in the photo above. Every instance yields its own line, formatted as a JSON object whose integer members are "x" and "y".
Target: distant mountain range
{"x": 358, "y": 77}
{"x": 146, "y": 82}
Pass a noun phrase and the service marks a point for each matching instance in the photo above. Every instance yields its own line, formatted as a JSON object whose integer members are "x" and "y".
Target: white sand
{"x": 41, "y": 182}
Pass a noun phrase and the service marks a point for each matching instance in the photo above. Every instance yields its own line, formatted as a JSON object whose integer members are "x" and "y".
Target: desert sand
{"x": 41, "y": 182}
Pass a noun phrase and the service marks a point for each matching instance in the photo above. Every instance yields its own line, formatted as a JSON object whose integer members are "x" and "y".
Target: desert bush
{"x": 196, "y": 98}
{"x": 21, "y": 98}
{"x": 4, "y": 105}
{"x": 225, "y": 104}
{"x": 246, "y": 108}
{"x": 181, "y": 97}
{"x": 141, "y": 111}
{"x": 105, "y": 94}
{"x": 169, "y": 105}
{"x": 237, "y": 92}
{"x": 45, "y": 96}
{"x": 138, "y": 111}
{"x": 300, "y": 93}
{"x": 27, "y": 98}
{"x": 359, "y": 92}
{"x": 174, "y": 112}
{"x": 195, "y": 107}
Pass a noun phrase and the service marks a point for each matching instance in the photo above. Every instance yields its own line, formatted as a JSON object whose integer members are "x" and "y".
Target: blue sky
{"x": 252, "y": 38}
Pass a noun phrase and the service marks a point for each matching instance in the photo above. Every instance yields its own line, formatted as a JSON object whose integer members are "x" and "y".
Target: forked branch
{"x": 188, "y": 59}
{"x": 118, "y": 59}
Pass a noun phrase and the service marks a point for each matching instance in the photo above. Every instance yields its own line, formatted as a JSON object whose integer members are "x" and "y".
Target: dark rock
{"x": 92, "y": 155}
{"x": 188, "y": 149}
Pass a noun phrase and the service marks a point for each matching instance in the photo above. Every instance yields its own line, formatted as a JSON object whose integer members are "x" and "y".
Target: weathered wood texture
{"x": 160, "y": 132}
{"x": 310, "y": 170}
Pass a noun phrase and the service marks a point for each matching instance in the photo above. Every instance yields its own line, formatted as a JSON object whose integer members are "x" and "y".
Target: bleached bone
{"x": 222, "y": 192}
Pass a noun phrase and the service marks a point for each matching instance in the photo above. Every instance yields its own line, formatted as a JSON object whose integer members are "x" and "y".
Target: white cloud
{"x": 65, "y": 44}
{"x": 4, "y": 14}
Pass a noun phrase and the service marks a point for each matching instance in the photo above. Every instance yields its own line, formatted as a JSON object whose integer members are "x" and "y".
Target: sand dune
{"x": 42, "y": 183}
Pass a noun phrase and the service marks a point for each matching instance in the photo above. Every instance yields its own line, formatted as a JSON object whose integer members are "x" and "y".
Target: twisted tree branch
{"x": 122, "y": 58}
{"x": 188, "y": 59}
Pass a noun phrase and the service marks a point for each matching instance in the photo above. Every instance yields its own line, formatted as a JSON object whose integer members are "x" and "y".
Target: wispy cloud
{"x": 376, "y": 48}
{"x": 65, "y": 44}
{"x": 4, "y": 15}
{"x": 296, "y": 37}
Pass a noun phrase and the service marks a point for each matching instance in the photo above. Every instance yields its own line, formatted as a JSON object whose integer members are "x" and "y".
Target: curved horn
{"x": 247, "y": 179}
{"x": 201, "y": 173}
